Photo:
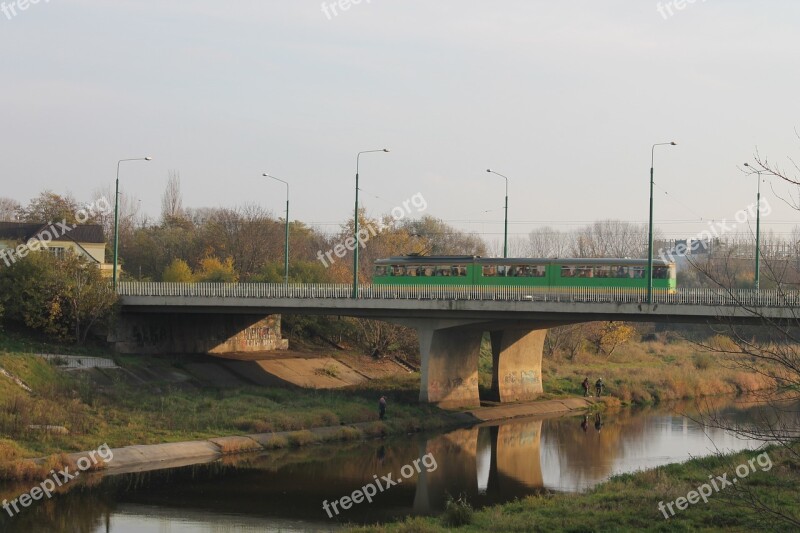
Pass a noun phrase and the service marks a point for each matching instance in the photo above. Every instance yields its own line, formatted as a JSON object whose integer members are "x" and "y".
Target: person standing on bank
{"x": 585, "y": 387}
{"x": 599, "y": 386}
{"x": 382, "y": 407}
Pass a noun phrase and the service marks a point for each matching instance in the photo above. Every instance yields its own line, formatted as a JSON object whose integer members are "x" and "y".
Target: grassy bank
{"x": 664, "y": 369}
{"x": 127, "y": 411}
{"x": 630, "y": 502}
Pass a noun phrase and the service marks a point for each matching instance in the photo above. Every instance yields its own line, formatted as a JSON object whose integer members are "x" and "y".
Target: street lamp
{"x": 286, "y": 237}
{"x": 505, "y": 230}
{"x": 355, "y": 225}
{"x": 116, "y": 220}
{"x": 758, "y": 225}
{"x": 650, "y": 226}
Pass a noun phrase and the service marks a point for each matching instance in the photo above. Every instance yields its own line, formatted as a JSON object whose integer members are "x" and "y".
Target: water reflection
{"x": 284, "y": 490}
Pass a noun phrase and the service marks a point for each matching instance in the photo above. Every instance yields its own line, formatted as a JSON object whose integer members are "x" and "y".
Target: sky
{"x": 564, "y": 98}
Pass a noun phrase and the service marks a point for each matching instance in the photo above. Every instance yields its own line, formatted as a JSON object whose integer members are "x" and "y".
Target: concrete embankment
{"x": 143, "y": 458}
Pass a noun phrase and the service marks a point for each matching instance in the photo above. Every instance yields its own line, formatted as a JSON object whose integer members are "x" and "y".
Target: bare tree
{"x": 611, "y": 238}
{"x": 549, "y": 242}
{"x": 9, "y": 208}
{"x": 172, "y": 201}
{"x": 769, "y": 353}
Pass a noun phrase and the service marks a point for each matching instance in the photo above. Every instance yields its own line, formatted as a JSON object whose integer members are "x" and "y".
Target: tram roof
{"x": 469, "y": 259}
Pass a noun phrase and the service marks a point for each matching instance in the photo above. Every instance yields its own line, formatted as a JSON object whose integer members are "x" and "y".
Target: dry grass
{"x": 651, "y": 372}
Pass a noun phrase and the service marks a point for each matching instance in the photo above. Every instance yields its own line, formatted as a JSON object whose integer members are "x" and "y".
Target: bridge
{"x": 450, "y": 322}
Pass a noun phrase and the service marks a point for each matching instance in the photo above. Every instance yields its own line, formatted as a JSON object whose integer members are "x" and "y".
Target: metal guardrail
{"x": 712, "y": 297}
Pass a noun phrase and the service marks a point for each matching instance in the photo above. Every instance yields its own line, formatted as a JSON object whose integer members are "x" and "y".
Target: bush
{"x": 458, "y": 512}
{"x": 703, "y": 361}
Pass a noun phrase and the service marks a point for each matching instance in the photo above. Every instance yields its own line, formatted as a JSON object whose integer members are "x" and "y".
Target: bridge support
{"x": 197, "y": 334}
{"x": 517, "y": 364}
{"x": 449, "y": 357}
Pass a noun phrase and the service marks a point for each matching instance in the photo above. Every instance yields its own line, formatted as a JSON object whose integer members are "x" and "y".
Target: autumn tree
{"x": 50, "y": 207}
{"x": 178, "y": 272}
{"x": 213, "y": 270}
{"x": 62, "y": 297}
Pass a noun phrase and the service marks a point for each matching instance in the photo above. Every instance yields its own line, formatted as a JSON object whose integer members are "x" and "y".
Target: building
{"x": 84, "y": 240}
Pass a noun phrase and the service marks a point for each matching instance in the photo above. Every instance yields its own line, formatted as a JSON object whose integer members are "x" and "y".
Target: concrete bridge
{"x": 450, "y": 322}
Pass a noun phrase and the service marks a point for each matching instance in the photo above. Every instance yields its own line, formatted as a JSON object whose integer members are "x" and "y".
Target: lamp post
{"x": 758, "y": 226}
{"x": 505, "y": 230}
{"x": 355, "y": 224}
{"x": 116, "y": 220}
{"x": 286, "y": 236}
{"x": 650, "y": 225}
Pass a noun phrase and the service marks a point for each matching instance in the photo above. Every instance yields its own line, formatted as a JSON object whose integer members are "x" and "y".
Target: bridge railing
{"x": 713, "y": 297}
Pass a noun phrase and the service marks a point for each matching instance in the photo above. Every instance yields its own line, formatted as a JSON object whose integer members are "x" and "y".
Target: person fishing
{"x": 382, "y": 407}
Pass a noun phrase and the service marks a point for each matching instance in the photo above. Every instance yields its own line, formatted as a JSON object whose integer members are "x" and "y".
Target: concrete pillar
{"x": 450, "y": 365}
{"x": 517, "y": 364}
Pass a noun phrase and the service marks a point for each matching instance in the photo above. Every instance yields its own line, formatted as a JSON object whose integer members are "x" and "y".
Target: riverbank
{"x": 143, "y": 458}
{"x": 630, "y": 502}
{"x": 46, "y": 411}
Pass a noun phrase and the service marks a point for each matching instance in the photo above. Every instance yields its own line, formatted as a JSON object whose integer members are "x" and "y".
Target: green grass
{"x": 630, "y": 502}
{"x": 129, "y": 413}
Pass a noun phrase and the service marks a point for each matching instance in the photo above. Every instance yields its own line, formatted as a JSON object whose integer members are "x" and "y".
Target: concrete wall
{"x": 197, "y": 334}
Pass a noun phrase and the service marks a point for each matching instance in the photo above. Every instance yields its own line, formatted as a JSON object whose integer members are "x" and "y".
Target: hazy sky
{"x": 565, "y": 98}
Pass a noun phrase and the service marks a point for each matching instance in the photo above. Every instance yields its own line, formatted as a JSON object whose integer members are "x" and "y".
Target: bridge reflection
{"x": 486, "y": 463}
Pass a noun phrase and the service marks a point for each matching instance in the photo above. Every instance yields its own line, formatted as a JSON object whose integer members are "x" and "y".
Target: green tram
{"x": 523, "y": 272}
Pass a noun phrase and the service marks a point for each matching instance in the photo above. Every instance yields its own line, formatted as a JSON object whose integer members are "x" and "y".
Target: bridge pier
{"x": 517, "y": 364}
{"x": 450, "y": 366}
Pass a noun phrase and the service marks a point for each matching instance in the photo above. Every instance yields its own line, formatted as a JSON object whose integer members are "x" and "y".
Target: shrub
{"x": 458, "y": 512}
{"x": 703, "y": 361}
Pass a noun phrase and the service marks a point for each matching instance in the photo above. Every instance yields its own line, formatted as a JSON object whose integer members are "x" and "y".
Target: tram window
{"x": 659, "y": 272}
{"x": 458, "y": 271}
{"x": 398, "y": 270}
{"x": 489, "y": 271}
{"x": 567, "y": 272}
{"x": 502, "y": 271}
{"x": 380, "y": 270}
{"x": 443, "y": 271}
{"x": 638, "y": 272}
{"x": 620, "y": 272}
{"x": 411, "y": 271}
{"x": 602, "y": 271}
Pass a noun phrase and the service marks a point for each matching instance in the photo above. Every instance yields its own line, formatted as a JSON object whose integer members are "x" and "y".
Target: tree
{"x": 62, "y": 297}
{"x": 212, "y": 270}
{"x": 9, "y": 209}
{"x": 88, "y": 296}
{"x": 605, "y": 337}
{"x": 178, "y": 272}
{"x": 172, "y": 200}
{"x": 770, "y": 352}
{"x": 51, "y": 207}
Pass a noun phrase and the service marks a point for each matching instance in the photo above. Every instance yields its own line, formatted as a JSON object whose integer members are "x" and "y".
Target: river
{"x": 284, "y": 490}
